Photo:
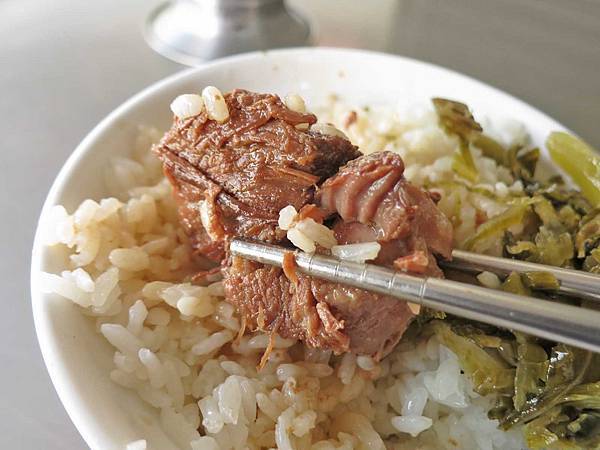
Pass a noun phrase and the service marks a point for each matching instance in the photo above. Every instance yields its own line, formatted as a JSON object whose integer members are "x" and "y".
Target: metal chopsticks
{"x": 572, "y": 282}
{"x": 555, "y": 321}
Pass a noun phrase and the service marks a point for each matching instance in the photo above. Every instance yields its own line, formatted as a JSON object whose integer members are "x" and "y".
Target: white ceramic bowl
{"x": 77, "y": 357}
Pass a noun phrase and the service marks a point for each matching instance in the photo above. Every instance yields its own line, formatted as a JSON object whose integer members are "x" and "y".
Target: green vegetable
{"x": 522, "y": 163}
{"x": 524, "y": 250}
{"x": 455, "y": 118}
{"x": 592, "y": 262}
{"x": 588, "y": 423}
{"x": 503, "y": 405}
{"x": 552, "y": 243}
{"x": 497, "y": 226}
{"x": 489, "y": 373}
{"x": 532, "y": 372}
{"x": 463, "y": 164}
{"x": 588, "y": 236}
{"x": 564, "y": 374}
{"x": 569, "y": 218}
{"x": 541, "y": 281}
{"x": 579, "y": 161}
{"x": 555, "y": 249}
{"x": 550, "y": 388}
{"x": 514, "y": 284}
{"x": 560, "y": 195}
{"x": 562, "y": 364}
{"x": 567, "y": 413}
{"x": 547, "y": 214}
{"x": 491, "y": 148}
{"x": 539, "y": 436}
{"x": 584, "y": 396}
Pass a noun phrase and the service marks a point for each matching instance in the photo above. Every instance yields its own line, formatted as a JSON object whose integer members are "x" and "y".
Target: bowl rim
{"x": 46, "y": 341}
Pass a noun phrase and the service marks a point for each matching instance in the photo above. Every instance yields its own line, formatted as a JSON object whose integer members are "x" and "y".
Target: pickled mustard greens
{"x": 541, "y": 281}
{"x": 455, "y": 118}
{"x": 579, "y": 161}
{"x": 488, "y": 371}
{"x": 498, "y": 225}
{"x": 552, "y": 389}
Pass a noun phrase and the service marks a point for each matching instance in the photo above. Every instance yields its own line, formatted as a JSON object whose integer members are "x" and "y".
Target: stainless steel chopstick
{"x": 572, "y": 282}
{"x": 569, "y": 324}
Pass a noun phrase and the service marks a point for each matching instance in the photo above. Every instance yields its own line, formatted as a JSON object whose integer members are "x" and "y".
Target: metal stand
{"x": 193, "y": 31}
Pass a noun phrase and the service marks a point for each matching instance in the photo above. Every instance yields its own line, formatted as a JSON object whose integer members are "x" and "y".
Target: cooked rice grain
{"x": 187, "y": 105}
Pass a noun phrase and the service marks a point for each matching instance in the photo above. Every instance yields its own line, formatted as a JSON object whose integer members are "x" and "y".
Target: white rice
{"x": 327, "y": 128}
{"x": 301, "y": 240}
{"x": 216, "y": 107}
{"x": 127, "y": 271}
{"x": 489, "y": 279}
{"x": 187, "y": 105}
{"x": 305, "y": 234}
{"x": 295, "y": 103}
{"x": 361, "y": 252}
{"x": 137, "y": 445}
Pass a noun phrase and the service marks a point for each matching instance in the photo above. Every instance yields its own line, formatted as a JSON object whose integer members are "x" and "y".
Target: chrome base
{"x": 192, "y": 32}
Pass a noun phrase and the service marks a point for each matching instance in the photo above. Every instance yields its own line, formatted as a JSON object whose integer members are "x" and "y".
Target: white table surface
{"x": 65, "y": 64}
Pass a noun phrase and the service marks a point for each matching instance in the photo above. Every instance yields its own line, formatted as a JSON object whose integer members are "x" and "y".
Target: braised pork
{"x": 370, "y": 200}
{"x": 375, "y": 202}
{"x": 231, "y": 179}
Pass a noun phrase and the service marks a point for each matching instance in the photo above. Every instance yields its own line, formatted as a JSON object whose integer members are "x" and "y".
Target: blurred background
{"x": 65, "y": 64}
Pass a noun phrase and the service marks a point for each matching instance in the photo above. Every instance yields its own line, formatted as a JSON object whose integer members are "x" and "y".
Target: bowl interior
{"x": 78, "y": 358}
